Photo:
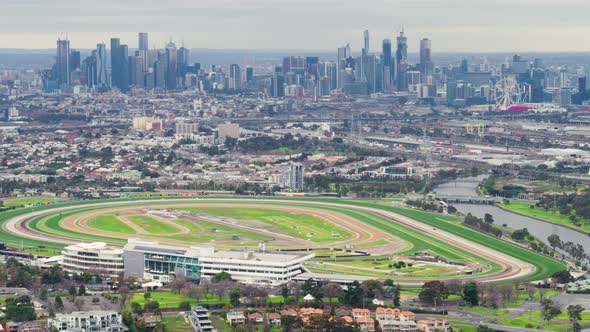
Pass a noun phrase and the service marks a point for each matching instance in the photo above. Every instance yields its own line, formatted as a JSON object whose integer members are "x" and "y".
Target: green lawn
{"x": 299, "y": 225}
{"x": 110, "y": 223}
{"x": 549, "y": 216}
{"x": 464, "y": 327}
{"x": 24, "y": 201}
{"x": 152, "y": 225}
{"x": 560, "y": 323}
{"x": 544, "y": 266}
{"x": 172, "y": 300}
{"x": 177, "y": 324}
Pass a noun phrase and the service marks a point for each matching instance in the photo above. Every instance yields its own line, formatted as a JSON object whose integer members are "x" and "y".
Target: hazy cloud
{"x": 453, "y": 25}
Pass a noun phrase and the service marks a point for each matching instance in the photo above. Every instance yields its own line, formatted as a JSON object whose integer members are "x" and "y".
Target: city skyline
{"x": 517, "y": 26}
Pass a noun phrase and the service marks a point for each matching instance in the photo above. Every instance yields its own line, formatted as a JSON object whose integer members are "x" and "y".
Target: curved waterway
{"x": 540, "y": 229}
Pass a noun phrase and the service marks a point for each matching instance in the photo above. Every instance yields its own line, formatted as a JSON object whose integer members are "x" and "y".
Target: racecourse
{"x": 402, "y": 229}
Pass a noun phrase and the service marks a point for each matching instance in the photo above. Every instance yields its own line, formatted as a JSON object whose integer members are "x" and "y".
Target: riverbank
{"x": 524, "y": 210}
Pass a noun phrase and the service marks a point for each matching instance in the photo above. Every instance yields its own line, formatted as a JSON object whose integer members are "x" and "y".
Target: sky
{"x": 452, "y": 25}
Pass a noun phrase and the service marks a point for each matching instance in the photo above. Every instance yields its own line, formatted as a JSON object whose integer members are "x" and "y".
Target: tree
{"x": 435, "y": 291}
{"x": 59, "y": 304}
{"x": 178, "y": 284}
{"x": 331, "y": 290}
{"x": 81, "y": 290}
{"x": 234, "y": 297}
{"x": 221, "y": 276}
{"x": 285, "y": 292}
{"x": 19, "y": 309}
{"x": 574, "y": 312}
{"x": 562, "y": 277}
{"x": 194, "y": 291}
{"x": 470, "y": 294}
{"x": 554, "y": 241}
{"x": 549, "y": 309}
{"x": 295, "y": 290}
{"x": 72, "y": 291}
{"x": 79, "y": 303}
{"x": 184, "y": 306}
{"x": 354, "y": 294}
{"x": 488, "y": 218}
{"x": 43, "y": 294}
{"x": 397, "y": 295}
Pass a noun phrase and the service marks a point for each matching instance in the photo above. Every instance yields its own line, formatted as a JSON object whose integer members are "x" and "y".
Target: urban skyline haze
{"x": 454, "y": 25}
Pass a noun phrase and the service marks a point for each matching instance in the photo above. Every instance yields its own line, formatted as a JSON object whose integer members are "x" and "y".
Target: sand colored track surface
{"x": 511, "y": 267}
{"x": 361, "y": 234}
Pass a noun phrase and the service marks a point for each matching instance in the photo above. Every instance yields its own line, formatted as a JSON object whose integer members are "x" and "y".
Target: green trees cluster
{"x": 485, "y": 225}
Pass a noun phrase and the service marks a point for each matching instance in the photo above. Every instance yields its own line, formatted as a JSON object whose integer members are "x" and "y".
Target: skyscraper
{"x": 341, "y": 63}
{"x": 235, "y": 77}
{"x": 75, "y": 60}
{"x": 62, "y": 62}
{"x": 182, "y": 64}
{"x": 425, "y": 57}
{"x": 102, "y": 76}
{"x": 143, "y": 41}
{"x": 119, "y": 65}
{"x": 387, "y": 64}
{"x": 171, "y": 69}
{"x": 366, "y": 42}
{"x": 89, "y": 70}
{"x": 401, "y": 62}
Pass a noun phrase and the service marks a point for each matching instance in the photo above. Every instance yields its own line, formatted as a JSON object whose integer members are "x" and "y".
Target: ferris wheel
{"x": 508, "y": 93}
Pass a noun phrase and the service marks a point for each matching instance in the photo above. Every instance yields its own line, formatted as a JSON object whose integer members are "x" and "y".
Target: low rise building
{"x": 255, "y": 267}
{"x": 86, "y": 321}
{"x": 150, "y": 260}
{"x": 199, "y": 316}
{"x": 234, "y": 317}
{"x": 95, "y": 258}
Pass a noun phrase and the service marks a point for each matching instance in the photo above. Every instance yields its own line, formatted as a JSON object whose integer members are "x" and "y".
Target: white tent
{"x": 308, "y": 298}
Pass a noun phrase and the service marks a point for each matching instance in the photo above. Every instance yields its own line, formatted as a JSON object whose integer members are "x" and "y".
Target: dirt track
{"x": 512, "y": 267}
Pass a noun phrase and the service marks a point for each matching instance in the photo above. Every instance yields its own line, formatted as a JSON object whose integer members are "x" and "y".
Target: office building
{"x": 235, "y": 77}
{"x": 89, "y": 70}
{"x": 119, "y": 65}
{"x": 182, "y": 64}
{"x": 171, "y": 66}
{"x": 341, "y": 65}
{"x": 426, "y": 66}
{"x": 387, "y": 62}
{"x": 401, "y": 60}
{"x": 366, "y": 46}
{"x": 225, "y": 130}
{"x": 186, "y": 128}
{"x": 295, "y": 177}
{"x": 149, "y": 260}
{"x": 277, "y": 85}
{"x": 143, "y": 42}
{"x": 62, "y": 62}
{"x": 249, "y": 74}
{"x": 75, "y": 60}
{"x": 147, "y": 123}
{"x": 95, "y": 258}
{"x": 87, "y": 321}
{"x": 102, "y": 76}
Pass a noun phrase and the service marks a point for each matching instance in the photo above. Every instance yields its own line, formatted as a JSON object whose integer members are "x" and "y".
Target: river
{"x": 540, "y": 229}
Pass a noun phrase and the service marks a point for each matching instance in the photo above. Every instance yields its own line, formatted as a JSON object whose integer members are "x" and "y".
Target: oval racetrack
{"x": 512, "y": 267}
